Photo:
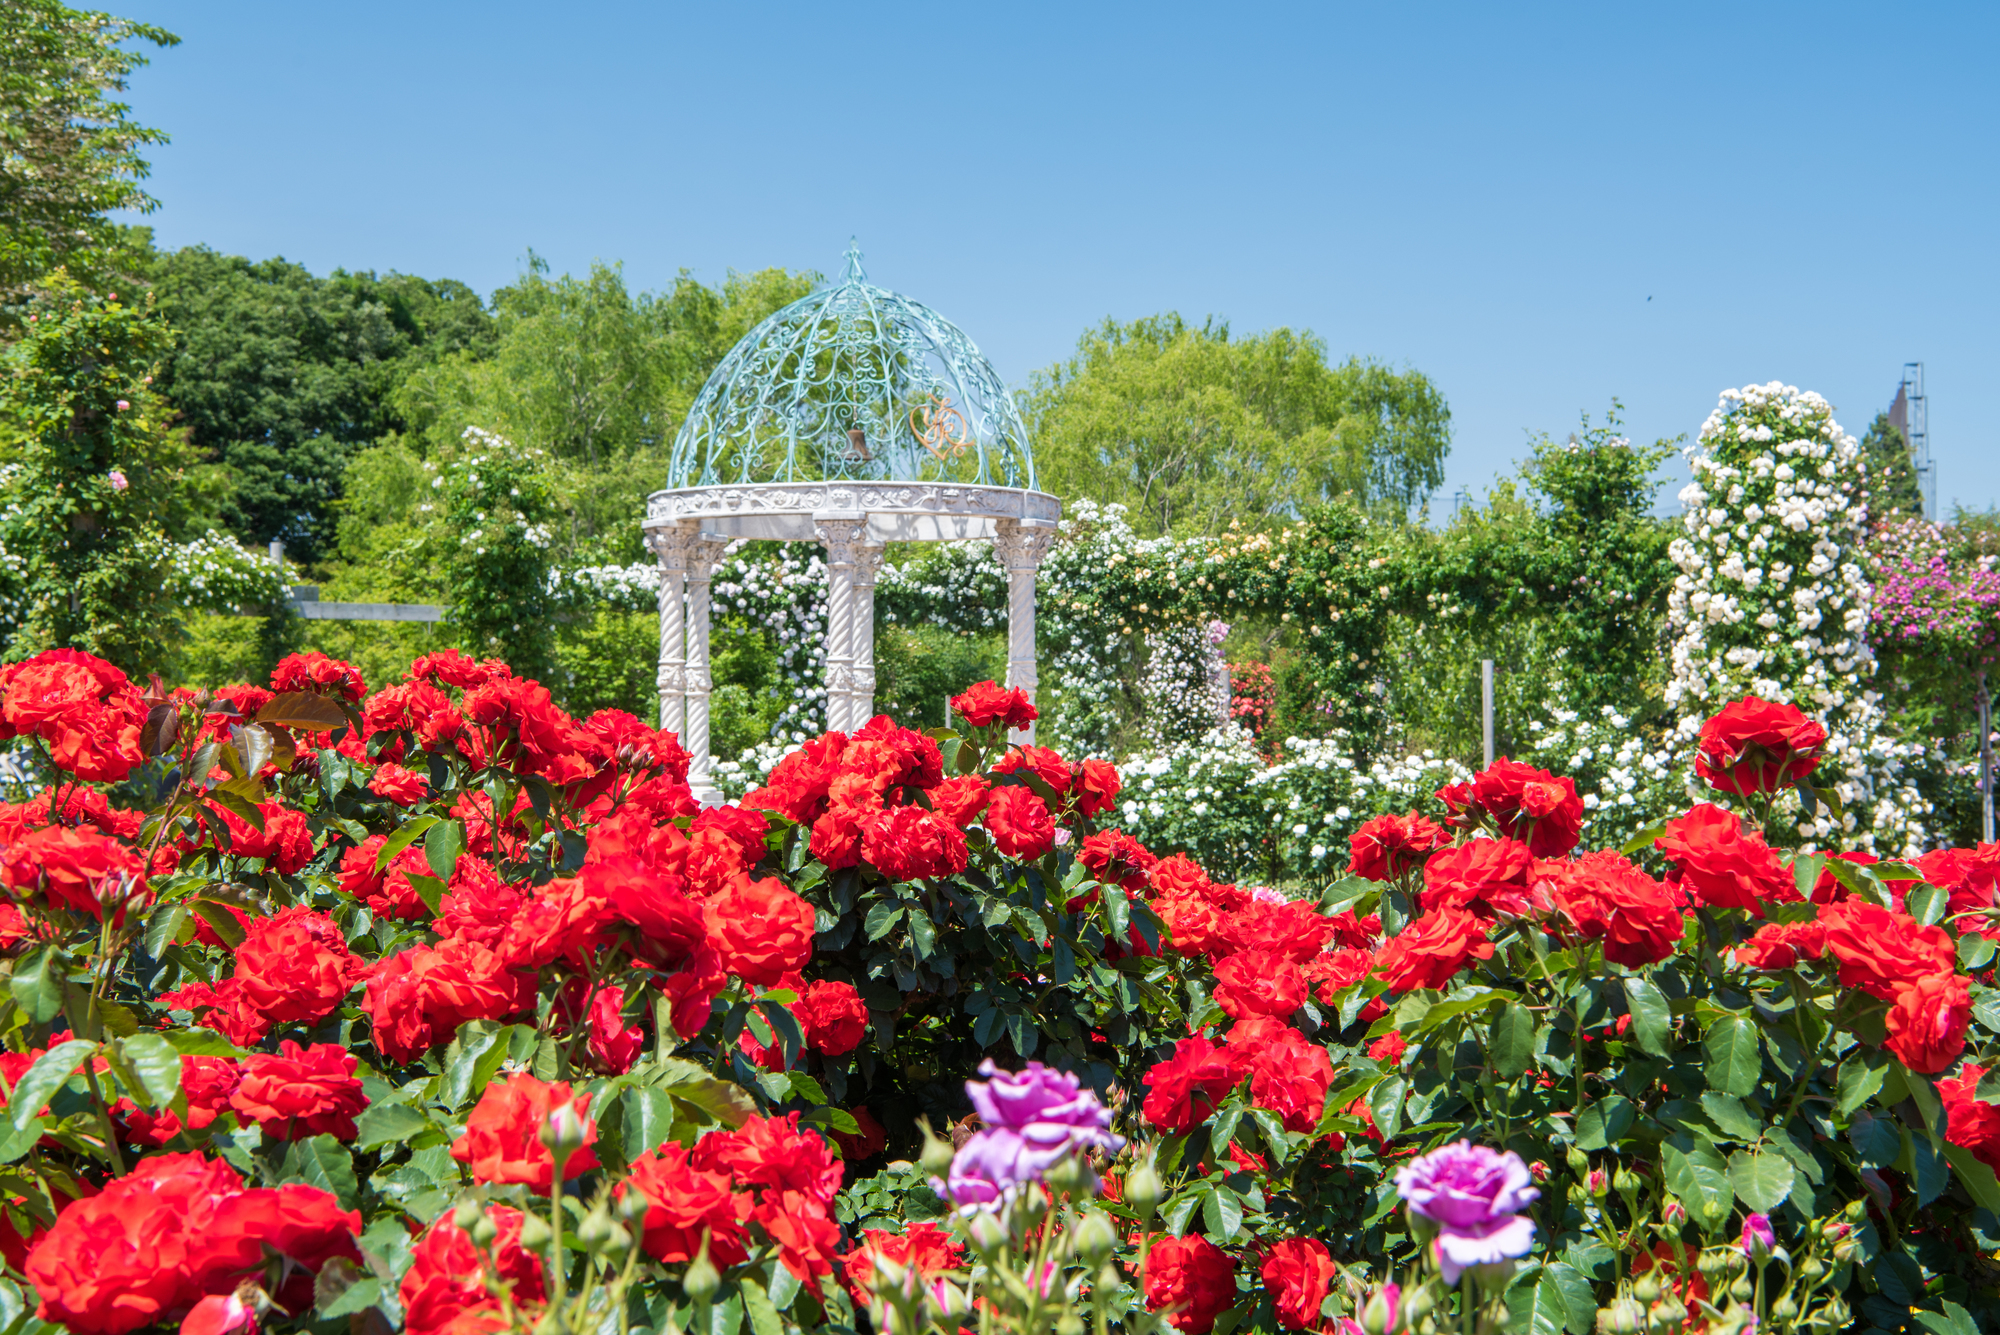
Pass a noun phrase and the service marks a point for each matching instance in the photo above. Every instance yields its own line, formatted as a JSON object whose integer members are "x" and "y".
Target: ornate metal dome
{"x": 854, "y": 382}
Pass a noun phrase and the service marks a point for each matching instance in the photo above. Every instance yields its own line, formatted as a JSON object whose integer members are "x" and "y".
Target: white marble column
{"x": 704, "y": 554}
{"x": 850, "y": 630}
{"x": 670, "y": 546}
{"x": 1021, "y": 545}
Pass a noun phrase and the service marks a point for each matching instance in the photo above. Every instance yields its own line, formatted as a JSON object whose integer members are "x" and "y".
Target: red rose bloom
{"x": 924, "y": 1248}
{"x": 1094, "y": 786}
{"x": 1116, "y": 858}
{"x": 1390, "y": 846}
{"x": 1040, "y": 761}
{"x": 1523, "y": 803}
{"x": 1971, "y": 1122}
{"x": 1192, "y": 1275}
{"x": 445, "y": 1290}
{"x": 1828, "y": 890}
{"x": 1778, "y": 946}
{"x": 502, "y": 1140}
{"x": 910, "y": 843}
{"x": 1183, "y": 1090}
{"x": 833, "y": 1017}
{"x": 300, "y": 1092}
{"x": 1487, "y": 876}
{"x": 295, "y": 967}
{"x": 1927, "y": 1024}
{"x": 1290, "y": 1076}
{"x": 1722, "y": 865}
{"x": 1757, "y": 746}
{"x": 960, "y": 800}
{"x": 1298, "y": 1274}
{"x": 1389, "y": 1048}
{"x": 79, "y": 870}
{"x": 419, "y": 997}
{"x": 684, "y": 1203}
{"x": 404, "y": 787}
{"x": 1020, "y": 824}
{"x": 1337, "y": 970}
{"x": 1882, "y": 952}
{"x": 1605, "y": 898}
{"x": 988, "y": 703}
{"x": 1257, "y": 982}
{"x": 315, "y": 673}
{"x": 762, "y": 930}
{"x": 285, "y": 842}
{"x": 1971, "y": 880}
{"x": 1430, "y": 951}
{"x": 1295, "y": 929}
{"x": 86, "y": 710}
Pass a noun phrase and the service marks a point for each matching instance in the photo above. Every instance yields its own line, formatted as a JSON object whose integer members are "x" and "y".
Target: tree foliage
{"x": 1893, "y": 492}
{"x": 1194, "y": 430}
{"x": 69, "y": 152}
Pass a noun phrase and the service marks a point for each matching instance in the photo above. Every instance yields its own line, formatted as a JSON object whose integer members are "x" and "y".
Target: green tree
{"x": 69, "y": 153}
{"x": 281, "y": 375}
{"x": 95, "y": 483}
{"x": 1892, "y": 474}
{"x": 1194, "y": 430}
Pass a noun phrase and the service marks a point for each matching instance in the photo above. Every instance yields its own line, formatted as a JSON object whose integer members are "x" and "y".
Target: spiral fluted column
{"x": 1021, "y": 545}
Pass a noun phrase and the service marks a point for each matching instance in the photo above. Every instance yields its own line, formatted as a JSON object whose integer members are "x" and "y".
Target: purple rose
{"x": 1034, "y": 1119}
{"x": 1474, "y": 1194}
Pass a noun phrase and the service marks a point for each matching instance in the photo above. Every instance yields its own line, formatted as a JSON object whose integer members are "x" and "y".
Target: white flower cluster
{"x": 217, "y": 573}
{"x": 1184, "y": 691}
{"x": 1773, "y": 600}
{"x": 784, "y": 598}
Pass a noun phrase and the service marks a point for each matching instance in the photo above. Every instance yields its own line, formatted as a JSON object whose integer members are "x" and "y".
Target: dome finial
{"x": 853, "y": 272}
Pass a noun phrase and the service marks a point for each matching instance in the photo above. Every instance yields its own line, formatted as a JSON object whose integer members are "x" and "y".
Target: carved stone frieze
{"x": 669, "y": 507}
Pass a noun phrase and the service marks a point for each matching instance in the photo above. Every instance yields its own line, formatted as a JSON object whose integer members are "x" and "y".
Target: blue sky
{"x": 1541, "y": 207}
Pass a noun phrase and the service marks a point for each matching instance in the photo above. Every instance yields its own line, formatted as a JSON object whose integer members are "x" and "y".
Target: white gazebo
{"x": 852, "y": 418}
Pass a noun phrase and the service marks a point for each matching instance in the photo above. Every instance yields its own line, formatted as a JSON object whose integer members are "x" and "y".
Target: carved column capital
{"x": 1020, "y": 546}
{"x": 846, "y": 541}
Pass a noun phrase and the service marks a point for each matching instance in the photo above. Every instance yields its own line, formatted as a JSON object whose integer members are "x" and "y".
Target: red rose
{"x": 315, "y": 673}
{"x": 1390, "y": 846}
{"x": 1782, "y": 945}
{"x": 798, "y": 784}
{"x": 762, "y": 930}
{"x": 1971, "y": 880}
{"x": 207, "y": 1083}
{"x": 917, "y": 761}
{"x": 1194, "y": 1277}
{"x": 1298, "y": 1274}
{"x": 691, "y": 991}
{"x": 1290, "y": 1076}
{"x": 868, "y": 1142}
{"x": 772, "y": 1153}
{"x": 836, "y": 837}
{"x": 303, "y": 1224}
{"x": 924, "y": 1248}
{"x": 502, "y": 1140}
{"x": 684, "y": 1203}
{"x": 1757, "y": 746}
{"x": 1828, "y": 890}
{"x": 960, "y": 800}
{"x": 1094, "y": 786}
{"x": 1882, "y": 952}
{"x": 611, "y": 1045}
{"x": 1389, "y": 1049}
{"x": 1431, "y": 950}
{"x": 1116, "y": 858}
{"x": 446, "y": 1283}
{"x": 300, "y": 1092}
{"x": 388, "y": 891}
{"x": 1020, "y": 824}
{"x": 1927, "y": 1024}
{"x": 404, "y": 787}
{"x": 1971, "y": 1122}
{"x": 1523, "y": 803}
{"x": 79, "y": 870}
{"x": 295, "y": 967}
{"x": 480, "y": 904}
{"x": 988, "y": 703}
{"x": 285, "y": 842}
{"x": 910, "y": 843}
{"x": 1258, "y": 982}
{"x": 1193, "y": 921}
{"x": 665, "y": 926}
{"x": 1183, "y": 1090}
{"x": 805, "y": 1233}
{"x": 1722, "y": 865}
{"x": 86, "y": 710}
{"x": 833, "y": 1016}
{"x": 1605, "y": 898}
{"x": 1293, "y": 928}
{"x": 1337, "y": 970}
{"x": 1487, "y": 876}
{"x": 419, "y": 997}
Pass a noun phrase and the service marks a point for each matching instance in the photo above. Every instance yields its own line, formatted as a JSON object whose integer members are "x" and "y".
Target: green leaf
{"x": 1644, "y": 839}
{"x": 1462, "y": 1004}
{"x": 302, "y": 709}
{"x": 37, "y": 983}
{"x": 16, "y": 1141}
{"x": 1733, "y": 1116}
{"x": 1698, "y": 1175}
{"x": 836, "y": 1120}
{"x": 1536, "y": 1306}
{"x": 49, "y": 1073}
{"x": 1512, "y": 1045}
{"x": 1577, "y": 1296}
{"x": 882, "y": 919}
{"x": 359, "y": 1296}
{"x": 1926, "y": 903}
{"x": 1860, "y": 1078}
{"x": 807, "y": 1088}
{"x": 1875, "y": 1139}
{"x": 728, "y": 1103}
{"x": 1975, "y": 951}
{"x": 1761, "y": 1181}
{"x": 1735, "y": 1055}
{"x": 221, "y": 921}
{"x": 164, "y": 927}
{"x": 157, "y": 1065}
{"x": 387, "y": 1123}
{"x": 1221, "y": 1214}
{"x": 757, "y": 1305}
{"x": 1604, "y": 1123}
{"x": 1805, "y": 872}
{"x": 1652, "y": 1018}
{"x": 429, "y": 889}
{"x": 443, "y": 843}
{"x": 1385, "y": 1103}
{"x": 231, "y": 797}
{"x": 470, "y": 1062}
{"x": 1954, "y": 1320}
{"x": 1979, "y": 1180}
{"x": 406, "y": 834}
{"x": 323, "y": 1162}
{"x": 649, "y": 1118}
{"x": 923, "y": 933}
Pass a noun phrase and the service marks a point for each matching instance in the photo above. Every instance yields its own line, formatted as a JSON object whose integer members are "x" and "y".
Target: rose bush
{"x": 436, "y": 1008}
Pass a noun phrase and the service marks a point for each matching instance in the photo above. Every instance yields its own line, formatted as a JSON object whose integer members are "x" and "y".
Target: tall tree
{"x": 1194, "y": 430}
{"x": 1893, "y": 492}
{"x": 281, "y": 375}
{"x": 69, "y": 152}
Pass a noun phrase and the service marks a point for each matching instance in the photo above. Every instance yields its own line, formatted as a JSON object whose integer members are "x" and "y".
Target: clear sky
{"x": 1539, "y": 206}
